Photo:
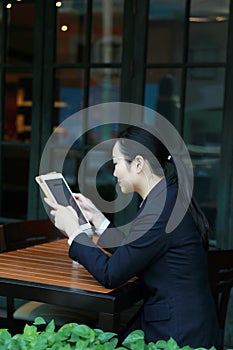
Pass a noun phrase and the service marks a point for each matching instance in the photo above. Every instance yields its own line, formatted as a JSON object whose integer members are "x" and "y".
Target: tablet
{"x": 57, "y": 189}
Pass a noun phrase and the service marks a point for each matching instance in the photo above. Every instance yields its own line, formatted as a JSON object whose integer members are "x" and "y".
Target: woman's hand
{"x": 93, "y": 214}
{"x": 65, "y": 218}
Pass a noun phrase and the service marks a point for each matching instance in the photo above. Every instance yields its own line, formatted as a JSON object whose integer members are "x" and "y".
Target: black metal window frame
{"x": 133, "y": 68}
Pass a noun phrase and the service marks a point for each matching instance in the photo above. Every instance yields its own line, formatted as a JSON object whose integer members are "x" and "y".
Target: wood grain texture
{"x": 48, "y": 263}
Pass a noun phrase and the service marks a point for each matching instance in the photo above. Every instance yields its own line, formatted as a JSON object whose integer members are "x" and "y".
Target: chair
{"x": 16, "y": 235}
{"x": 220, "y": 264}
{"x": 22, "y": 234}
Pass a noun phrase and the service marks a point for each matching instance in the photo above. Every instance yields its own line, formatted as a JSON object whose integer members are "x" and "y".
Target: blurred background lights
{"x": 64, "y": 28}
{"x": 58, "y": 3}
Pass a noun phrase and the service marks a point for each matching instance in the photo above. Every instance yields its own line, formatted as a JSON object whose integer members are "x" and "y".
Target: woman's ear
{"x": 139, "y": 163}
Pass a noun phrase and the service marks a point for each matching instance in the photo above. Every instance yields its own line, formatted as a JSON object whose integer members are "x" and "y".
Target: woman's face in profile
{"x": 123, "y": 170}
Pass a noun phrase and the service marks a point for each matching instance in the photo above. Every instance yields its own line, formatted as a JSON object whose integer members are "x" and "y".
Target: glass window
{"x": 162, "y": 93}
{"x": 20, "y": 32}
{"x": 71, "y": 31}
{"x": 1, "y": 41}
{"x": 68, "y": 91}
{"x": 105, "y": 85}
{"x": 166, "y": 31}
{"x": 15, "y": 182}
{"x": 202, "y": 132}
{"x": 208, "y": 29}
{"x": 107, "y": 31}
{"x": 18, "y": 106}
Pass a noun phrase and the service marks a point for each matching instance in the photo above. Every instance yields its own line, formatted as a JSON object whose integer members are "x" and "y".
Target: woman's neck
{"x": 150, "y": 181}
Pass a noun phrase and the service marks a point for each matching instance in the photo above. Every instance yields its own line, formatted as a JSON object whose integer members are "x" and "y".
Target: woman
{"x": 172, "y": 266}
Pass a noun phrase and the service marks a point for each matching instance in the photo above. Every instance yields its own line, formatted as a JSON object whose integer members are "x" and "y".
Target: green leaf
{"x": 151, "y": 346}
{"x": 29, "y": 330}
{"x": 133, "y": 337}
{"x": 14, "y": 345}
{"x": 82, "y": 344}
{"x": 106, "y": 336}
{"x": 172, "y": 344}
{"x": 39, "y": 321}
{"x": 83, "y": 331}
{"x": 5, "y": 336}
{"x": 98, "y": 331}
{"x": 109, "y": 346}
{"x": 187, "y": 347}
{"x": 138, "y": 345}
{"x": 92, "y": 336}
{"x": 66, "y": 330}
{"x": 161, "y": 344}
{"x": 114, "y": 342}
{"x": 50, "y": 327}
{"x": 66, "y": 347}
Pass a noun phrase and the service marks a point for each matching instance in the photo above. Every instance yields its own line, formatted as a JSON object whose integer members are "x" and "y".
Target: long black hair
{"x": 153, "y": 150}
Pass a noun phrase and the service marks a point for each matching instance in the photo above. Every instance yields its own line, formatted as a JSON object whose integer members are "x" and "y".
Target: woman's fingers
{"x": 51, "y": 203}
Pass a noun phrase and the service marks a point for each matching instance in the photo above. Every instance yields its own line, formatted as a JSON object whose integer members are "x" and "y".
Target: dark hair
{"x": 152, "y": 149}
{"x": 146, "y": 145}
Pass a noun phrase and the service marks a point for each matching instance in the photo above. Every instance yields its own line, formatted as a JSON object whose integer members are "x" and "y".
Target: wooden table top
{"x": 48, "y": 263}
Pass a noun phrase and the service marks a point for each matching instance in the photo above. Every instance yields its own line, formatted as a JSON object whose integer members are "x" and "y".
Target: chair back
{"x": 16, "y": 235}
{"x": 221, "y": 280}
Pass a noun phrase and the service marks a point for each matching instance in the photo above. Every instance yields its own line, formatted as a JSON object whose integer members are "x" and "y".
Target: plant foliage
{"x": 79, "y": 337}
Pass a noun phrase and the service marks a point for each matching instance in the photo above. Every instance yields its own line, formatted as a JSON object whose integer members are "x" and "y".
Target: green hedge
{"x": 79, "y": 337}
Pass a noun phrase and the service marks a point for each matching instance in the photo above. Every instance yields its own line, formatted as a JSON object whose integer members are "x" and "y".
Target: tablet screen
{"x": 63, "y": 196}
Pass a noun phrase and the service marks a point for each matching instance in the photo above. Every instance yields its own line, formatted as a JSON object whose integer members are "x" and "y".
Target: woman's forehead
{"x": 116, "y": 153}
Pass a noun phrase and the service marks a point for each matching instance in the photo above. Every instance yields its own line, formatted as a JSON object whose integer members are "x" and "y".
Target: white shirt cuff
{"x": 73, "y": 235}
{"x": 102, "y": 227}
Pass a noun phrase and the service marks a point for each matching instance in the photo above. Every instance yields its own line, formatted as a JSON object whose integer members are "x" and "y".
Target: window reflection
{"x": 105, "y": 85}
{"x": 15, "y": 187}
{"x": 71, "y": 31}
{"x": 166, "y": 31}
{"x": 0, "y": 33}
{"x": 18, "y": 105}
{"x": 20, "y": 32}
{"x": 73, "y": 27}
{"x": 162, "y": 93}
{"x": 107, "y": 31}
{"x": 202, "y": 133}
{"x": 68, "y": 91}
{"x": 207, "y": 28}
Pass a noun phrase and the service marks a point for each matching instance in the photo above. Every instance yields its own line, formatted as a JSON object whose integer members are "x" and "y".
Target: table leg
{"x": 10, "y": 307}
{"x": 109, "y": 322}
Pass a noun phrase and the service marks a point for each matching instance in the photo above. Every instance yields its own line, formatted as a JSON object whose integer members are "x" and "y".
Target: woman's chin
{"x": 126, "y": 190}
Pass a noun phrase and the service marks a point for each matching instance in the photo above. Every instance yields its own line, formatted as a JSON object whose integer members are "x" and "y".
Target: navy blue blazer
{"x": 172, "y": 266}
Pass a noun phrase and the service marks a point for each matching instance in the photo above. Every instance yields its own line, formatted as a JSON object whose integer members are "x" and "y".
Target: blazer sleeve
{"x": 146, "y": 242}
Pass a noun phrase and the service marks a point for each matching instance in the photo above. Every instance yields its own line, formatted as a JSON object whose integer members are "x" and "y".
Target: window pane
{"x": 202, "y": 132}
{"x": 105, "y": 85}
{"x": 18, "y": 106}
{"x": 165, "y": 31}
{"x": 107, "y": 28}
{"x": 162, "y": 93}
{"x": 208, "y": 31}
{"x": 20, "y": 32}
{"x": 0, "y": 33}
{"x": 71, "y": 31}
{"x": 15, "y": 185}
{"x": 68, "y": 91}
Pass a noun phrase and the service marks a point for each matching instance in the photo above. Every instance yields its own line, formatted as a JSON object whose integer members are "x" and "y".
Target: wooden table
{"x": 45, "y": 273}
